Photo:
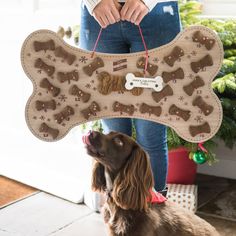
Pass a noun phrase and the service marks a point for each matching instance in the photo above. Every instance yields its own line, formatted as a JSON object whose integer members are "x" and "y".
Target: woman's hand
{"x": 107, "y": 12}
{"x": 134, "y": 11}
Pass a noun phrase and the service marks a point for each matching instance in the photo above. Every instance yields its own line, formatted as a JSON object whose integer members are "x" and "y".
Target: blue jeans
{"x": 159, "y": 27}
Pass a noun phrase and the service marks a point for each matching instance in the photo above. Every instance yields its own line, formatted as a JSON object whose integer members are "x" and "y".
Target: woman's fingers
{"x": 139, "y": 18}
{"x": 101, "y": 22}
{"x": 109, "y": 12}
{"x": 129, "y": 13}
{"x": 135, "y": 16}
{"x": 105, "y": 20}
{"x": 110, "y": 18}
{"x": 116, "y": 15}
{"x": 134, "y": 11}
{"x": 124, "y": 11}
{"x": 106, "y": 13}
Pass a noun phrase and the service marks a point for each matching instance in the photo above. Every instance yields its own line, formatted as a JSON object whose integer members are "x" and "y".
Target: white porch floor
{"x": 45, "y": 215}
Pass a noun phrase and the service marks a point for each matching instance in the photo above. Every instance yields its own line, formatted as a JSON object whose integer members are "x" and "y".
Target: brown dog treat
{"x": 155, "y": 110}
{"x": 49, "y": 70}
{"x": 166, "y": 91}
{"x": 205, "y": 108}
{"x": 74, "y": 90}
{"x": 47, "y": 45}
{"x": 184, "y": 114}
{"x": 195, "y": 84}
{"x": 204, "y": 40}
{"x": 50, "y": 88}
{"x": 44, "y": 128}
{"x": 176, "y": 54}
{"x": 68, "y": 76}
{"x": 151, "y": 68}
{"x": 69, "y": 58}
{"x": 177, "y": 74}
{"x": 119, "y": 107}
{"x": 45, "y": 105}
{"x": 202, "y": 63}
{"x": 91, "y": 110}
{"x": 199, "y": 129}
{"x": 137, "y": 91}
{"x": 64, "y": 114}
{"x": 94, "y": 65}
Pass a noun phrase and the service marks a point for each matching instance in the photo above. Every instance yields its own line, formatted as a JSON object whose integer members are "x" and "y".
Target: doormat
{"x": 12, "y": 191}
{"x": 223, "y": 205}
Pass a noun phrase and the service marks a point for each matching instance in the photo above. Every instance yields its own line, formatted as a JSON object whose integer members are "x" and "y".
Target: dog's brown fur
{"x": 127, "y": 211}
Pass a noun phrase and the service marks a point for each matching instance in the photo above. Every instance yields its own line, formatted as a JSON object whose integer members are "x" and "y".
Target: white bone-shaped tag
{"x": 138, "y": 82}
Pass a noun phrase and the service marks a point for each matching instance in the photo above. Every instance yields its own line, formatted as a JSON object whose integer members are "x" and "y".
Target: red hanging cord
{"x": 96, "y": 43}
{"x": 144, "y": 44}
{"x": 200, "y": 145}
{"x": 146, "y": 50}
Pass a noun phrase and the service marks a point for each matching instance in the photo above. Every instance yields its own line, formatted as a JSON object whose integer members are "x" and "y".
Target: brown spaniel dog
{"x": 122, "y": 170}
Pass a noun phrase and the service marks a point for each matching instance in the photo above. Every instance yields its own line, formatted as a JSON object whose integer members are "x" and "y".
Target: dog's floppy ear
{"x": 98, "y": 177}
{"x": 133, "y": 183}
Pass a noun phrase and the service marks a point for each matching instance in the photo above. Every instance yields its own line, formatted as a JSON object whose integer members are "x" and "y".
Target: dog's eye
{"x": 118, "y": 142}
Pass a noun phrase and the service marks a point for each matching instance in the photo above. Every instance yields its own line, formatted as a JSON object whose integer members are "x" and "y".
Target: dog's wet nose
{"x": 90, "y": 137}
{"x": 94, "y": 134}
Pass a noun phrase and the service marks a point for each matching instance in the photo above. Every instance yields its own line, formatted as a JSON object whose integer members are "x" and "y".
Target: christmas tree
{"x": 224, "y": 84}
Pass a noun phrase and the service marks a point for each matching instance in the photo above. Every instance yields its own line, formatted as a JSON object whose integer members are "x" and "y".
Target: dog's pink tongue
{"x": 85, "y": 139}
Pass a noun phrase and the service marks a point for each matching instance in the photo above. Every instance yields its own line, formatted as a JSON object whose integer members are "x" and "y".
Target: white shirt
{"x": 91, "y": 4}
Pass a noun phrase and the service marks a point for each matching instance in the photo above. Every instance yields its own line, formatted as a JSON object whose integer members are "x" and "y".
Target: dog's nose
{"x": 91, "y": 136}
{"x": 94, "y": 134}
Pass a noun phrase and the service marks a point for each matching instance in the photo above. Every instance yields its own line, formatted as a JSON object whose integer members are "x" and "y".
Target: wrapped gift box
{"x": 183, "y": 195}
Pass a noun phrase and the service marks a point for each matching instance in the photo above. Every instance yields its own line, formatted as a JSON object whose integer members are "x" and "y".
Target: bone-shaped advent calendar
{"x": 71, "y": 87}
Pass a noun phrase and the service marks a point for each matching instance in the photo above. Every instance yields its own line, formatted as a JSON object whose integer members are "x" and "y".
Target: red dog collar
{"x": 156, "y": 197}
